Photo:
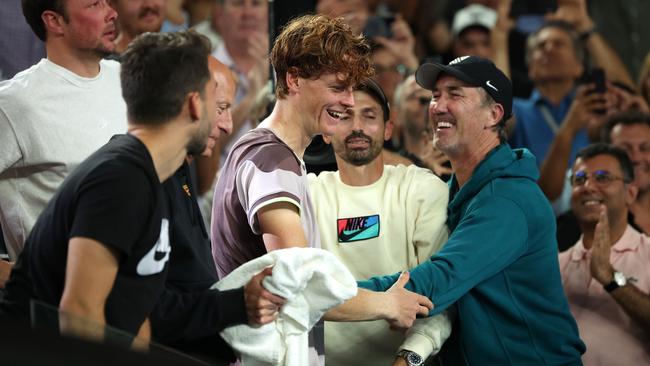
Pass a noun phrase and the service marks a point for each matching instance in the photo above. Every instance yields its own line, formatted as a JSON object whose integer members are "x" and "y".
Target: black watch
{"x": 619, "y": 281}
{"x": 412, "y": 358}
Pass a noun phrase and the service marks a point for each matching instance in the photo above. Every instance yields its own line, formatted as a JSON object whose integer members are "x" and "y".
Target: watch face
{"x": 413, "y": 359}
{"x": 620, "y": 279}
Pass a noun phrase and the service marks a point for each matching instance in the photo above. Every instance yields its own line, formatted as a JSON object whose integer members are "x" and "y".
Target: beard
{"x": 199, "y": 141}
{"x": 359, "y": 157}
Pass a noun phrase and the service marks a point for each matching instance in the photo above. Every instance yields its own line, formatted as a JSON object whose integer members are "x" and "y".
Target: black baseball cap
{"x": 474, "y": 70}
{"x": 371, "y": 87}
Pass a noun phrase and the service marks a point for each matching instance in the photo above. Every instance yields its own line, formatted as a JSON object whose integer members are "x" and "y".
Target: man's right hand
{"x": 404, "y": 305}
{"x": 583, "y": 109}
{"x": 262, "y": 307}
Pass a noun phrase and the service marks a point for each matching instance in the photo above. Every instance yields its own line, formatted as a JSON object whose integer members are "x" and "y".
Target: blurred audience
{"x": 644, "y": 79}
{"x": 414, "y": 129}
{"x": 209, "y": 27}
{"x": 471, "y": 30}
{"x": 549, "y": 122}
{"x": 19, "y": 46}
{"x": 624, "y": 25}
{"x": 176, "y": 18}
{"x": 136, "y": 17}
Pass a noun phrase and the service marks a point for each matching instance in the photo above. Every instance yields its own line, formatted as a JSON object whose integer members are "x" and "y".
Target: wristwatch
{"x": 412, "y": 358}
{"x": 619, "y": 281}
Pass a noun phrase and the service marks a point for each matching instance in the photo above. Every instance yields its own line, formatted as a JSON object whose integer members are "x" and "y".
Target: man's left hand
{"x": 600, "y": 266}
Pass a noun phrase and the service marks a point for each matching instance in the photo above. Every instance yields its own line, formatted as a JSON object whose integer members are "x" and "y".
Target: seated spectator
{"x": 395, "y": 215}
{"x": 606, "y": 274}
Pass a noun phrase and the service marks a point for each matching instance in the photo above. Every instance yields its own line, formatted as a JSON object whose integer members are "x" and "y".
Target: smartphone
{"x": 596, "y": 76}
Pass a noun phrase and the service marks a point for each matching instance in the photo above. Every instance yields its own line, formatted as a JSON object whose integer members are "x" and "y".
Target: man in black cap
{"x": 499, "y": 267}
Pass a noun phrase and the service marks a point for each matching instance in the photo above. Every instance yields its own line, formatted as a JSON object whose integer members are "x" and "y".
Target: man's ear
{"x": 195, "y": 105}
{"x": 327, "y": 139}
{"x": 631, "y": 192}
{"x": 497, "y": 112}
{"x": 292, "y": 78}
{"x": 388, "y": 129}
{"x": 53, "y": 22}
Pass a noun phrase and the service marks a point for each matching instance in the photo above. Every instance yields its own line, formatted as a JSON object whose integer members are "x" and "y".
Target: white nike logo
{"x": 457, "y": 60}
{"x": 154, "y": 261}
{"x": 490, "y": 85}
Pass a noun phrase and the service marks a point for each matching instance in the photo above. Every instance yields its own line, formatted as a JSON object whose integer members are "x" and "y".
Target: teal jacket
{"x": 500, "y": 268}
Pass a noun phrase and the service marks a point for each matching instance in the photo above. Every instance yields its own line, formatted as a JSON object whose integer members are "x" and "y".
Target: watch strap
{"x": 611, "y": 286}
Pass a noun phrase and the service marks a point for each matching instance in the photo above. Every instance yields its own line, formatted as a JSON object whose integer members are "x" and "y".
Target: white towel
{"x": 312, "y": 280}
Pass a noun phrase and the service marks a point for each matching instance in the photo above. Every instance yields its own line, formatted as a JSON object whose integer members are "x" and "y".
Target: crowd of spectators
{"x": 580, "y": 73}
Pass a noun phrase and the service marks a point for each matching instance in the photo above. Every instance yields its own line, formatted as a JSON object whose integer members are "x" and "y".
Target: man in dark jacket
{"x": 499, "y": 267}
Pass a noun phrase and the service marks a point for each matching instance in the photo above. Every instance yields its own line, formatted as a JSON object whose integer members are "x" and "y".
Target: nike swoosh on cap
{"x": 489, "y": 83}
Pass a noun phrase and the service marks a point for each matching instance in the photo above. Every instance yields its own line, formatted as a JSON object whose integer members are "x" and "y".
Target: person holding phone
{"x": 543, "y": 122}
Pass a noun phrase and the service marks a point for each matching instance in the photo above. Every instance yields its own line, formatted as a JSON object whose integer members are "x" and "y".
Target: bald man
{"x": 189, "y": 314}
{"x": 208, "y": 163}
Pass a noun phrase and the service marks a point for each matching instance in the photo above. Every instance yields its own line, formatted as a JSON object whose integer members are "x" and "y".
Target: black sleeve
{"x": 114, "y": 205}
{"x": 185, "y": 316}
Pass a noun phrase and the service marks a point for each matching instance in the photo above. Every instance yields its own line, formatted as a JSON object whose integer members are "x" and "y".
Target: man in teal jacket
{"x": 499, "y": 267}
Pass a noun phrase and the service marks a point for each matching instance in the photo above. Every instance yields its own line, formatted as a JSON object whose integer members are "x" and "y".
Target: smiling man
{"x": 59, "y": 111}
{"x": 392, "y": 214}
{"x": 262, "y": 201}
{"x": 499, "y": 267}
{"x": 606, "y": 274}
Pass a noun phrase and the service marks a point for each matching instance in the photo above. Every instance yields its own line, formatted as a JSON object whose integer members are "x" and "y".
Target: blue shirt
{"x": 533, "y": 132}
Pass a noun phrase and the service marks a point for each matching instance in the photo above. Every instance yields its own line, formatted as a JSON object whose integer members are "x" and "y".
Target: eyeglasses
{"x": 602, "y": 178}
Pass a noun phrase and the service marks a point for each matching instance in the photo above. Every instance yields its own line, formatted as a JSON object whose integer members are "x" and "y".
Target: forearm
{"x": 553, "y": 170}
{"x": 81, "y": 319}
{"x": 185, "y": 316}
{"x": 500, "y": 45}
{"x": 604, "y": 56}
{"x": 635, "y": 303}
{"x": 367, "y": 305}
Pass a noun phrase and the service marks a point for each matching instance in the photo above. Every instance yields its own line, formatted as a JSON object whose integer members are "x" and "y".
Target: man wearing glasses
{"x": 606, "y": 274}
